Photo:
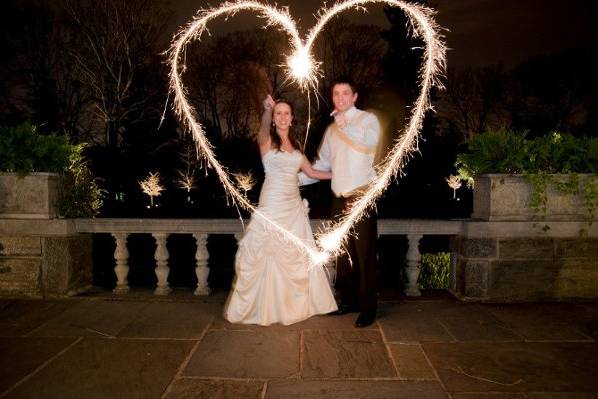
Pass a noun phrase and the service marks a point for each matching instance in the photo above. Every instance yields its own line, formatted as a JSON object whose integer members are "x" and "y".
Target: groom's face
{"x": 343, "y": 97}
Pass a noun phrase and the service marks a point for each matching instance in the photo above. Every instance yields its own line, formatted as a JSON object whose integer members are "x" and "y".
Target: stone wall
{"x": 57, "y": 262}
{"x": 491, "y": 260}
{"x": 20, "y": 266}
{"x": 525, "y": 268}
{"x": 506, "y": 252}
{"x": 67, "y": 264}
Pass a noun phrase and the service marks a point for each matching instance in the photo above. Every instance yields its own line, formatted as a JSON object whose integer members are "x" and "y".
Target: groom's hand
{"x": 340, "y": 118}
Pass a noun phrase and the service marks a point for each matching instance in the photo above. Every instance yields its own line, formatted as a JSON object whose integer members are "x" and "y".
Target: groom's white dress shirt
{"x": 348, "y": 152}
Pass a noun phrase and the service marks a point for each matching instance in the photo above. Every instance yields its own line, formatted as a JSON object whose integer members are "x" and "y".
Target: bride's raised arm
{"x": 308, "y": 169}
{"x": 263, "y": 136}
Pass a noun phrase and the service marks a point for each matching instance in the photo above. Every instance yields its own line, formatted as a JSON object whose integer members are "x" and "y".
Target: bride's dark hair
{"x": 275, "y": 138}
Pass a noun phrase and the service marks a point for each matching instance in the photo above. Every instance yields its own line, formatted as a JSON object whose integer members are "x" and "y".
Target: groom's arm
{"x": 322, "y": 163}
{"x": 304, "y": 180}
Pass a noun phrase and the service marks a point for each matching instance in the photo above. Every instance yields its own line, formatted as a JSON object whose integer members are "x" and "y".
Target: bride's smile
{"x": 283, "y": 117}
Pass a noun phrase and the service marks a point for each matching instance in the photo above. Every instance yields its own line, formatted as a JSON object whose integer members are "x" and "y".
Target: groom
{"x": 348, "y": 149}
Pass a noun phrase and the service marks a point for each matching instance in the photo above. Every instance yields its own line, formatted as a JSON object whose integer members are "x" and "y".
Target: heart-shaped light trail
{"x": 303, "y": 70}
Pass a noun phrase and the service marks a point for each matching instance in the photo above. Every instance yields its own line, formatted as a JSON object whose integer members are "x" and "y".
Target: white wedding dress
{"x": 274, "y": 281}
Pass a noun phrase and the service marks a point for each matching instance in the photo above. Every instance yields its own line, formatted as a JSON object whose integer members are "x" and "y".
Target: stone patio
{"x": 102, "y": 346}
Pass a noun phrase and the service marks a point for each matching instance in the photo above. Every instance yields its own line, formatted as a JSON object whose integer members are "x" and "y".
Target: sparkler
{"x": 303, "y": 70}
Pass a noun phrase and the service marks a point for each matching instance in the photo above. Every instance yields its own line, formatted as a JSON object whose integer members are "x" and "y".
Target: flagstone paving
{"x": 142, "y": 346}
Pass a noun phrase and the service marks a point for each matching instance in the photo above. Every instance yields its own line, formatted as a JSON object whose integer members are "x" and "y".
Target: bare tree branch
{"x": 120, "y": 44}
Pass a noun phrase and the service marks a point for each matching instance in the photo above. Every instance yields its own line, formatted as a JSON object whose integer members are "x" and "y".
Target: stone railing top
{"x": 232, "y": 226}
{"x": 518, "y": 229}
{"x": 464, "y": 227}
{"x": 182, "y": 226}
{"x": 37, "y": 227}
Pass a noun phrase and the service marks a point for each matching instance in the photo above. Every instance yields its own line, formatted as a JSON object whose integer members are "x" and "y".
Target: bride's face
{"x": 283, "y": 116}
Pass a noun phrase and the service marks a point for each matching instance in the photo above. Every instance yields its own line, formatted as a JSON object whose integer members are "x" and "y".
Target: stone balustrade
{"x": 490, "y": 260}
{"x": 200, "y": 229}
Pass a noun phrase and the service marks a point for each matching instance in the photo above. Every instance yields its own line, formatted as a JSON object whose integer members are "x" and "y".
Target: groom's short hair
{"x": 343, "y": 80}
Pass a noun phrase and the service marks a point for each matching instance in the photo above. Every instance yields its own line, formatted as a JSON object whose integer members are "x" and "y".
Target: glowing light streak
{"x": 303, "y": 70}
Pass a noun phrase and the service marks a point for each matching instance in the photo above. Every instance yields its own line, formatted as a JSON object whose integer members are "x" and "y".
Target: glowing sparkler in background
{"x": 303, "y": 70}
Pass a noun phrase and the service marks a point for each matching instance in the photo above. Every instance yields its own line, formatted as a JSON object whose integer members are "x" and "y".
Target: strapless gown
{"x": 274, "y": 281}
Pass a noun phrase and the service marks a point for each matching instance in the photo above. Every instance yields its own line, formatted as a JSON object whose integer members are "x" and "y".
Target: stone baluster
{"x": 121, "y": 257}
{"x": 201, "y": 260}
{"x": 162, "y": 270}
{"x": 413, "y": 264}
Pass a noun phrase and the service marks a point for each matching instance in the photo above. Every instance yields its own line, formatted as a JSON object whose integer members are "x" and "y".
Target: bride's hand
{"x": 269, "y": 103}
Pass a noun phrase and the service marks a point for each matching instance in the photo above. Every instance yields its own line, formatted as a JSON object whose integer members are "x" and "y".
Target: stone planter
{"x": 504, "y": 255}
{"x": 30, "y": 197}
{"x": 502, "y": 197}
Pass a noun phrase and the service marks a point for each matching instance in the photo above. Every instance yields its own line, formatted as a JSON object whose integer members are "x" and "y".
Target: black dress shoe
{"x": 343, "y": 309}
{"x": 365, "y": 318}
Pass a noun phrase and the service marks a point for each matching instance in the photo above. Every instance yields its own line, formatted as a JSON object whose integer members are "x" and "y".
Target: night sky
{"x": 481, "y": 32}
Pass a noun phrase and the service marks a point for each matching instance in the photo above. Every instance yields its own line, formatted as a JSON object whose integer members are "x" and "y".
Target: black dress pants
{"x": 356, "y": 268}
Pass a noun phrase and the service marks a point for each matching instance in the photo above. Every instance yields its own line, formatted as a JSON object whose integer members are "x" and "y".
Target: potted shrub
{"x": 546, "y": 178}
{"x": 43, "y": 176}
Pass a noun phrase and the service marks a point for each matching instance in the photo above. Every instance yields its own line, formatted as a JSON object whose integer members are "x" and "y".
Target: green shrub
{"x": 563, "y": 153}
{"x": 506, "y": 151}
{"x": 23, "y": 150}
{"x": 493, "y": 152}
{"x": 79, "y": 195}
{"x": 434, "y": 272}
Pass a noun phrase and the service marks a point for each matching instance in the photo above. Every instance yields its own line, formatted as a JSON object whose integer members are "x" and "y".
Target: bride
{"x": 275, "y": 282}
